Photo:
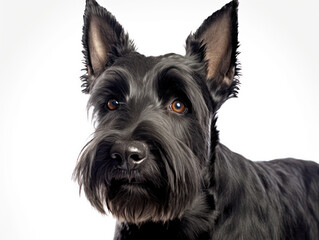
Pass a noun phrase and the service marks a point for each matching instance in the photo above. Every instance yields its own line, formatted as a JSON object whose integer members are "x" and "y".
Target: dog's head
{"x": 155, "y": 116}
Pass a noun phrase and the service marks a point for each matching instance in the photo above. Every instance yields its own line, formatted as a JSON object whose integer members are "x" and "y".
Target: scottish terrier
{"x": 155, "y": 161}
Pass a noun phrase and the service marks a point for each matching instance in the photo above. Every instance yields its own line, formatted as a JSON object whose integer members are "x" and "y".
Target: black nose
{"x": 129, "y": 154}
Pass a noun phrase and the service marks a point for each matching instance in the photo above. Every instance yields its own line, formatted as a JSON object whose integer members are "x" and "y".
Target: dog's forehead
{"x": 137, "y": 65}
{"x": 166, "y": 62}
{"x": 141, "y": 67}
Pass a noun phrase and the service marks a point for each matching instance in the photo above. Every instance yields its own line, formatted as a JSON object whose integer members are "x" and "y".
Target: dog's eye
{"x": 178, "y": 107}
{"x": 112, "y": 104}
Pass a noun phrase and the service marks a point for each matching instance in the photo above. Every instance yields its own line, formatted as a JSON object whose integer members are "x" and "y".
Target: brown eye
{"x": 178, "y": 107}
{"x": 112, "y": 104}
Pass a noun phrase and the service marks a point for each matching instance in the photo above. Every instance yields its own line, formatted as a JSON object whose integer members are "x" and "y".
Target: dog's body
{"x": 251, "y": 200}
{"x": 155, "y": 160}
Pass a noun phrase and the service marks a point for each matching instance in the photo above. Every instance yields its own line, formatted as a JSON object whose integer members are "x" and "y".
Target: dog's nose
{"x": 129, "y": 154}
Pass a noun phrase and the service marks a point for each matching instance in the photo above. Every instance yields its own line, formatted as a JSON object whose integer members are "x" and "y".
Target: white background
{"x": 43, "y": 122}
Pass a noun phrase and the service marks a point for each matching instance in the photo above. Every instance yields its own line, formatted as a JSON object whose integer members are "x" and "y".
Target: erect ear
{"x": 103, "y": 40}
{"x": 215, "y": 43}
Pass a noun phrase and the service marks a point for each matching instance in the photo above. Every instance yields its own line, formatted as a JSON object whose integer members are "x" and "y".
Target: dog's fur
{"x": 187, "y": 185}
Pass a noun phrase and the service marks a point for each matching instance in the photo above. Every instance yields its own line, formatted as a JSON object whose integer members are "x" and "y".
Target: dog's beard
{"x": 136, "y": 203}
{"x": 159, "y": 191}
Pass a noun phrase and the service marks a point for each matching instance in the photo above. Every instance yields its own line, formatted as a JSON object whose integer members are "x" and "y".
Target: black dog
{"x": 155, "y": 161}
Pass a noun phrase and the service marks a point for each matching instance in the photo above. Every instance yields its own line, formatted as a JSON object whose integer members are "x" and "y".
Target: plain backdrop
{"x": 43, "y": 120}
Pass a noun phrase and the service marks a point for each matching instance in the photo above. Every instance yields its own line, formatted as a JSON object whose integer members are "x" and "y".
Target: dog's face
{"x": 155, "y": 132}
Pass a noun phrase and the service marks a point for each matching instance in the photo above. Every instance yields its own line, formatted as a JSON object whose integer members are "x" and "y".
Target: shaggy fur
{"x": 155, "y": 161}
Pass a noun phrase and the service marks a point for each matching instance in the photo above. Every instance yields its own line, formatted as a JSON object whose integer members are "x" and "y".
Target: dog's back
{"x": 276, "y": 199}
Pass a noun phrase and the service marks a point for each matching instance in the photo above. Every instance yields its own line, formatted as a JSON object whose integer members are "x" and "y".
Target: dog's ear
{"x": 103, "y": 40}
{"x": 215, "y": 44}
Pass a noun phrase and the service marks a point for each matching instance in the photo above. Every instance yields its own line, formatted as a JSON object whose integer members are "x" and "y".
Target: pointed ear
{"x": 103, "y": 40}
{"x": 215, "y": 44}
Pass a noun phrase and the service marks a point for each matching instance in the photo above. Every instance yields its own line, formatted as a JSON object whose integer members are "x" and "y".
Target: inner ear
{"x": 97, "y": 44}
{"x": 218, "y": 44}
{"x": 218, "y": 36}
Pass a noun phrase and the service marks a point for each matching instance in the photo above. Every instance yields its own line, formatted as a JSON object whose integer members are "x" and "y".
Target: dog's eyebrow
{"x": 113, "y": 81}
{"x": 170, "y": 73}
{"x": 179, "y": 77}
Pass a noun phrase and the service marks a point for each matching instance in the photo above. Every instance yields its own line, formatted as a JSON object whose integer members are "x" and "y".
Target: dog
{"x": 155, "y": 161}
